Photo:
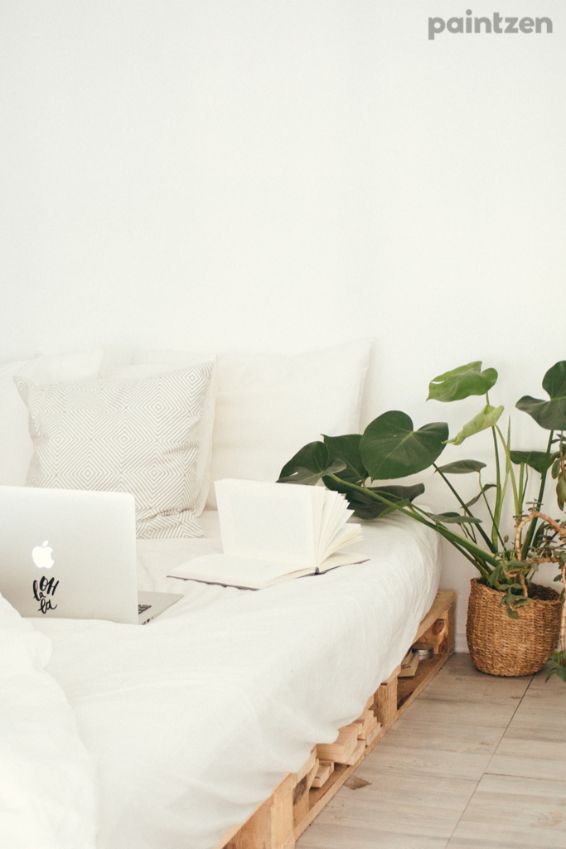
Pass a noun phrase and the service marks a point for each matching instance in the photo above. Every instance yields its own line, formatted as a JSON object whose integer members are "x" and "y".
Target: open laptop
{"x": 72, "y": 554}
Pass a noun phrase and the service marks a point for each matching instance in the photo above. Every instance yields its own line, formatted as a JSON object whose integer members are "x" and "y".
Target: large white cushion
{"x": 148, "y": 363}
{"x": 47, "y": 795}
{"x": 268, "y": 406}
{"x": 15, "y": 442}
{"x": 134, "y": 435}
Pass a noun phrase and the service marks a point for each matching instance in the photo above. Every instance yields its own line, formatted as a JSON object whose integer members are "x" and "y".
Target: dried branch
{"x": 561, "y": 531}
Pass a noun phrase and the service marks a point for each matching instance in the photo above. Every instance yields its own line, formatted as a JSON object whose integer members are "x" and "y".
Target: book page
{"x": 336, "y": 531}
{"x": 268, "y": 521}
{"x": 347, "y": 534}
{"x": 334, "y": 514}
{"x": 234, "y": 571}
{"x": 342, "y": 558}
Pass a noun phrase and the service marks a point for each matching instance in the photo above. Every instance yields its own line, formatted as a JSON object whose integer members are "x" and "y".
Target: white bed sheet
{"x": 195, "y": 718}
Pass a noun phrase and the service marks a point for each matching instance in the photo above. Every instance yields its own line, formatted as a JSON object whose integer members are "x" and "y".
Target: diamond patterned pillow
{"x": 135, "y": 435}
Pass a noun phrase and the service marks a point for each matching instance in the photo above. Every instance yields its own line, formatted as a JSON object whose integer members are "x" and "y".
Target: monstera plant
{"x": 502, "y": 530}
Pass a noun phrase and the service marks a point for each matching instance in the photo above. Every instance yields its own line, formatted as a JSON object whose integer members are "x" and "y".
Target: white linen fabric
{"x": 15, "y": 442}
{"x": 195, "y": 718}
{"x": 47, "y": 788}
{"x": 136, "y": 435}
{"x": 147, "y": 363}
{"x": 269, "y": 405}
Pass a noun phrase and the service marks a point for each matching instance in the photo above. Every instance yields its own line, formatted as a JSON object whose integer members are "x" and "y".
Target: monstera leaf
{"x": 540, "y": 461}
{"x": 550, "y": 414}
{"x": 346, "y": 450}
{"x": 462, "y": 382}
{"x": 309, "y": 465}
{"x": 391, "y": 448}
{"x": 366, "y": 507}
{"x": 488, "y": 417}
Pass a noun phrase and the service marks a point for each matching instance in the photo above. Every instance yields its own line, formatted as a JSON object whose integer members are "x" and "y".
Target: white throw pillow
{"x": 15, "y": 442}
{"x": 47, "y": 791}
{"x": 268, "y": 406}
{"x": 134, "y": 435}
{"x": 148, "y": 363}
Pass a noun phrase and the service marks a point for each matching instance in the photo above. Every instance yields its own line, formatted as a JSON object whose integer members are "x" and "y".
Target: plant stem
{"x": 498, "y": 493}
{"x": 459, "y": 542}
{"x": 465, "y": 507}
{"x": 526, "y": 486}
{"x": 533, "y": 526}
{"x": 509, "y": 471}
{"x": 454, "y": 540}
{"x": 460, "y": 500}
{"x": 491, "y": 516}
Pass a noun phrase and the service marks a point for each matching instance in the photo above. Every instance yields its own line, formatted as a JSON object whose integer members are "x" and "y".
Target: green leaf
{"x": 488, "y": 417}
{"x": 551, "y": 414}
{"x": 366, "y": 507}
{"x": 554, "y": 381}
{"x": 540, "y": 461}
{"x": 401, "y": 493}
{"x": 461, "y": 467}
{"x": 556, "y": 665}
{"x": 391, "y": 448}
{"x": 480, "y": 494}
{"x": 346, "y": 450}
{"x": 451, "y": 518}
{"x": 308, "y": 465}
{"x": 462, "y": 382}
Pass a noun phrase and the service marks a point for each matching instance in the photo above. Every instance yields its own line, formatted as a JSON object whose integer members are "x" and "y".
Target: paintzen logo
{"x": 496, "y": 24}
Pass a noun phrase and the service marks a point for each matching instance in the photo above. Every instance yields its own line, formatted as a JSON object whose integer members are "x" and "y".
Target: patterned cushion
{"x": 138, "y": 436}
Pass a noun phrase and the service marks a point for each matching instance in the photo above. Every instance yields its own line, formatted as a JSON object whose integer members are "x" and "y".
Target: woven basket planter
{"x": 509, "y": 647}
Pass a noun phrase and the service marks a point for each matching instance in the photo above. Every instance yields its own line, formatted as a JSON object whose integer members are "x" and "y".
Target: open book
{"x": 272, "y": 532}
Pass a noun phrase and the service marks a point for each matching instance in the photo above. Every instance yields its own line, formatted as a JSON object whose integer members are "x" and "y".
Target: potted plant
{"x": 514, "y": 624}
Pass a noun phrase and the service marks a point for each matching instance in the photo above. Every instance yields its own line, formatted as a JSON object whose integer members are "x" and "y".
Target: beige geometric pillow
{"x": 136, "y": 435}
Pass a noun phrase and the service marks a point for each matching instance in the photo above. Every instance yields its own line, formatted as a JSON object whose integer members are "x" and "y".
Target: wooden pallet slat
{"x": 367, "y": 725}
{"x": 374, "y": 734}
{"x": 341, "y": 750}
{"x": 386, "y": 701}
{"x": 307, "y": 766}
{"x": 323, "y": 773}
{"x": 272, "y": 826}
{"x": 409, "y": 665}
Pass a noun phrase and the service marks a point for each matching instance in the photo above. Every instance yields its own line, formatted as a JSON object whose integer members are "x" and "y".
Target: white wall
{"x": 281, "y": 175}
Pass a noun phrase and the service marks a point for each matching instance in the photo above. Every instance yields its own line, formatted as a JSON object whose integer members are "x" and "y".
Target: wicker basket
{"x": 503, "y": 646}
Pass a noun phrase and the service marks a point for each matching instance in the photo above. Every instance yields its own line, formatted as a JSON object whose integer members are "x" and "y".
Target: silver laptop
{"x": 69, "y": 553}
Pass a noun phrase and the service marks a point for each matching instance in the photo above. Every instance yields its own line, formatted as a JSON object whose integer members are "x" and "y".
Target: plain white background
{"x": 283, "y": 175}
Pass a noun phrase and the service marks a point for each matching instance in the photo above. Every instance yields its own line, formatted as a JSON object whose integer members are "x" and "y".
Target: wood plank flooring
{"x": 475, "y": 763}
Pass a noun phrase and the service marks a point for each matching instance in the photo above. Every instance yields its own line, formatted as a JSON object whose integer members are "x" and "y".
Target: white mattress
{"x": 194, "y": 719}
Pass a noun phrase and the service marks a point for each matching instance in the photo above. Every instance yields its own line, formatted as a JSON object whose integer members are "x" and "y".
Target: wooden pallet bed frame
{"x": 279, "y": 821}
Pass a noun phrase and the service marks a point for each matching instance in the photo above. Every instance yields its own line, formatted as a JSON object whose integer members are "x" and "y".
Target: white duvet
{"x": 193, "y": 719}
{"x": 47, "y": 787}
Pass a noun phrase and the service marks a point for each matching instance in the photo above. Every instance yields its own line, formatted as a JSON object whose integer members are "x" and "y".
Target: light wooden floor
{"x": 476, "y": 763}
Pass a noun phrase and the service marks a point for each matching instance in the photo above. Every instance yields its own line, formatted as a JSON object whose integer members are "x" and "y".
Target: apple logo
{"x": 42, "y": 555}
